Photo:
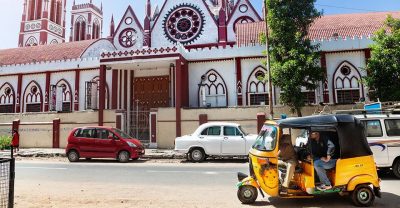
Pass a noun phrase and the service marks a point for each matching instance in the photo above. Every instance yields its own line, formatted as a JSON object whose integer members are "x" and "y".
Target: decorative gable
{"x": 129, "y": 33}
{"x": 183, "y": 22}
{"x": 243, "y": 12}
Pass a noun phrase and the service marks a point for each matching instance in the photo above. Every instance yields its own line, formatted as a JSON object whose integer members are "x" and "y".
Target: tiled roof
{"x": 344, "y": 25}
{"x": 61, "y": 51}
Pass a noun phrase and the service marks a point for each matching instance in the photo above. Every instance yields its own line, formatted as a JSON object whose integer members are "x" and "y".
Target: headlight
{"x": 131, "y": 144}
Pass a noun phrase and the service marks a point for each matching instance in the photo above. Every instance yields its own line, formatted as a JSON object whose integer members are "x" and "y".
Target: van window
{"x": 392, "y": 127}
{"x": 373, "y": 128}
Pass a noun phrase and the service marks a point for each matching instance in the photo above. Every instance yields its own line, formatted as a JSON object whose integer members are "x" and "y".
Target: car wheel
{"x": 123, "y": 156}
{"x": 247, "y": 194}
{"x": 73, "y": 156}
{"x": 396, "y": 168}
{"x": 197, "y": 155}
{"x": 363, "y": 196}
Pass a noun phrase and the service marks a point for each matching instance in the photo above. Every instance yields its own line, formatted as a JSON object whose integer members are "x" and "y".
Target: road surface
{"x": 147, "y": 184}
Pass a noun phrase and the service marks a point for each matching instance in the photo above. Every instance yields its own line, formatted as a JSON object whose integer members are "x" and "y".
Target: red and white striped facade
{"x": 86, "y": 22}
{"x": 43, "y": 22}
{"x": 184, "y": 54}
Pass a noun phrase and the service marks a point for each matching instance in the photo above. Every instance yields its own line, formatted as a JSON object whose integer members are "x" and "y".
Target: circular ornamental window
{"x": 128, "y": 37}
{"x": 345, "y": 70}
{"x": 183, "y": 24}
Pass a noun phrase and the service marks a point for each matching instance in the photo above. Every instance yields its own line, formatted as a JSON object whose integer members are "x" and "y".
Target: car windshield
{"x": 243, "y": 131}
{"x": 266, "y": 140}
{"x": 122, "y": 134}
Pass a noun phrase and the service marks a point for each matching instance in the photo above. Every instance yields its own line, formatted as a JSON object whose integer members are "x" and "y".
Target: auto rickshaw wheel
{"x": 247, "y": 194}
{"x": 396, "y": 168}
{"x": 363, "y": 196}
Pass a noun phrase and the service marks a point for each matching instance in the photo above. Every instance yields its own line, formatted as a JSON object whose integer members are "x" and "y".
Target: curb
{"x": 52, "y": 155}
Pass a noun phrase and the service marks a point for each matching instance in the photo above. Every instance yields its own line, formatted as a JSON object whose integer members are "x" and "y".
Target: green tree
{"x": 383, "y": 68}
{"x": 294, "y": 60}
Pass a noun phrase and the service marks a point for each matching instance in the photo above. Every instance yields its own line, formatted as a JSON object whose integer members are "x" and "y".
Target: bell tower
{"x": 43, "y": 22}
{"x": 86, "y": 22}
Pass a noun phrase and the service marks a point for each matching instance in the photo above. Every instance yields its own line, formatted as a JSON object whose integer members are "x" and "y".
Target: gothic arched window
{"x": 32, "y": 41}
{"x": 92, "y": 94}
{"x": 212, "y": 90}
{"x": 347, "y": 86}
{"x": 60, "y": 98}
{"x": 80, "y": 29}
{"x": 96, "y": 29}
{"x": 257, "y": 88}
{"x": 33, "y": 97}
{"x": 7, "y": 98}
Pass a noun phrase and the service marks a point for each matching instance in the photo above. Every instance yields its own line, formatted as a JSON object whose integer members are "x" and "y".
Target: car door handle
{"x": 201, "y": 137}
{"x": 225, "y": 138}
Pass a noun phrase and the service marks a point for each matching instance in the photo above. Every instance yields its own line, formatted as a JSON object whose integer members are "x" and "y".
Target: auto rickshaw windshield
{"x": 266, "y": 140}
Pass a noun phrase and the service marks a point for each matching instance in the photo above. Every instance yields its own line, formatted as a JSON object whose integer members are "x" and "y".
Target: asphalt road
{"x": 179, "y": 184}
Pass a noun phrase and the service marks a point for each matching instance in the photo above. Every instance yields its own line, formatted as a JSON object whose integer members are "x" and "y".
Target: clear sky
{"x": 11, "y": 10}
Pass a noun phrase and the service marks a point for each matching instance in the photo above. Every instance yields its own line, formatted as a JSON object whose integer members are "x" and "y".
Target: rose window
{"x": 183, "y": 24}
{"x": 128, "y": 37}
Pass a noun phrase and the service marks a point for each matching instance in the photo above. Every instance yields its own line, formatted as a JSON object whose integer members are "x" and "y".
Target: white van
{"x": 383, "y": 134}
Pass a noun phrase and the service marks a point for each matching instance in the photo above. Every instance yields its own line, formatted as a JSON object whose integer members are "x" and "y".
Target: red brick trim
{"x": 56, "y": 133}
{"x": 114, "y": 94}
{"x": 203, "y": 118}
{"x": 102, "y": 94}
{"x": 178, "y": 102}
{"x": 76, "y": 90}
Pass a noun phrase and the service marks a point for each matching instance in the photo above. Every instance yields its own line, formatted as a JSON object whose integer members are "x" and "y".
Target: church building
{"x": 185, "y": 59}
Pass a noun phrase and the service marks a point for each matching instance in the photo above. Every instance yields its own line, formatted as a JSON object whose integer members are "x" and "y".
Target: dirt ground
{"x": 105, "y": 195}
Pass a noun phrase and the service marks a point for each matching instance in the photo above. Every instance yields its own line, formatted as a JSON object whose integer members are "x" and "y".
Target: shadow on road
{"x": 387, "y": 175}
{"x": 219, "y": 160}
{"x": 387, "y": 200}
{"x": 110, "y": 161}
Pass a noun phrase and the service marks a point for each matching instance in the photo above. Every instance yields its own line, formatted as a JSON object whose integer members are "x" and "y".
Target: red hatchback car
{"x": 102, "y": 142}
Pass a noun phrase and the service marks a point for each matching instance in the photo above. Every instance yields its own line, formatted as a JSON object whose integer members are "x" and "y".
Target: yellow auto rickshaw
{"x": 355, "y": 173}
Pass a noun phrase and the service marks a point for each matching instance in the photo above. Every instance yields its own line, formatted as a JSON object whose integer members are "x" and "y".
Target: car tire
{"x": 247, "y": 194}
{"x": 363, "y": 196}
{"x": 123, "y": 156}
{"x": 396, "y": 168}
{"x": 197, "y": 155}
{"x": 73, "y": 156}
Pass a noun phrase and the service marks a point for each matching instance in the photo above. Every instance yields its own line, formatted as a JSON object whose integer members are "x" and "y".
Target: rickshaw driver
{"x": 322, "y": 150}
{"x": 287, "y": 155}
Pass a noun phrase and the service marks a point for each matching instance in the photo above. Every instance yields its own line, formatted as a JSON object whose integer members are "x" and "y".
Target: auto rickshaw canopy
{"x": 350, "y": 131}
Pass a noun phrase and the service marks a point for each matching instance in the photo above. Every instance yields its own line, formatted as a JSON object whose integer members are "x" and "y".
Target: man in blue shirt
{"x": 322, "y": 150}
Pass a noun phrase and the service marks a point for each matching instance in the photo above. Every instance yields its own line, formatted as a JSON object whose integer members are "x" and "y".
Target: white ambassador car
{"x": 215, "y": 139}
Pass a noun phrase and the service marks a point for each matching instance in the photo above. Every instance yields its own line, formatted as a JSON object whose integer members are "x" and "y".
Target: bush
{"x": 5, "y": 142}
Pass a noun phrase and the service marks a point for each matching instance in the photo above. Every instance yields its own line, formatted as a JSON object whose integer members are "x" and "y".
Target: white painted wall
{"x": 85, "y": 76}
{"x": 227, "y": 71}
{"x": 333, "y": 60}
{"x": 139, "y": 36}
{"x": 26, "y": 80}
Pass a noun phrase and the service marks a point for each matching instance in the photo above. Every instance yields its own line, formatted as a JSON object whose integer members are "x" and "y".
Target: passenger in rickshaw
{"x": 287, "y": 155}
{"x": 322, "y": 149}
